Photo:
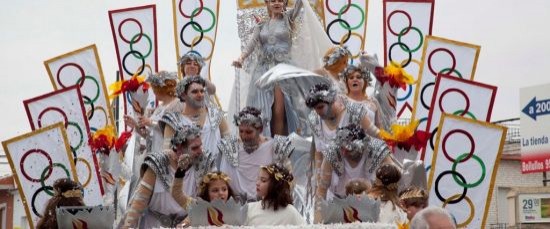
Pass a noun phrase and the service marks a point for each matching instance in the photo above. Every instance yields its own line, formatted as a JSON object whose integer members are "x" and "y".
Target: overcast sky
{"x": 513, "y": 36}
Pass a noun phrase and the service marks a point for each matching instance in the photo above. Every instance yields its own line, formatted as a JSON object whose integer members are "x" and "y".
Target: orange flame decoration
{"x": 405, "y": 137}
{"x": 80, "y": 224}
{"x": 351, "y": 215}
{"x": 215, "y": 217}
{"x": 131, "y": 85}
{"x": 403, "y": 226}
{"x": 395, "y": 75}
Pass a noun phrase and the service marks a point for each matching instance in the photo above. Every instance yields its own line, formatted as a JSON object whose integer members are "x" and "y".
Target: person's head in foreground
{"x": 385, "y": 185}
{"x": 413, "y": 199}
{"x": 191, "y": 63}
{"x": 273, "y": 186}
{"x": 320, "y": 98}
{"x": 215, "y": 186}
{"x": 432, "y": 218}
{"x": 250, "y": 123}
{"x": 357, "y": 187}
{"x": 66, "y": 193}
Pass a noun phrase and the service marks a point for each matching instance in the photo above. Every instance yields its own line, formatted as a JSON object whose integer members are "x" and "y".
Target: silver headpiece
{"x": 365, "y": 74}
{"x": 185, "y": 82}
{"x": 249, "y": 116}
{"x": 191, "y": 55}
{"x": 185, "y": 133}
{"x": 338, "y": 53}
{"x": 352, "y": 138}
{"x": 321, "y": 93}
{"x": 159, "y": 79}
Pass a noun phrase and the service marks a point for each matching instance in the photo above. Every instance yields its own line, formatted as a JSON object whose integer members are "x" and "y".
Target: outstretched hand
{"x": 237, "y": 63}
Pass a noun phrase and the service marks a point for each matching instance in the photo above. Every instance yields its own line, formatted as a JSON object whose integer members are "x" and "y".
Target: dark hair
{"x": 278, "y": 191}
{"x": 313, "y": 97}
{"x": 203, "y": 186}
{"x": 414, "y": 196}
{"x": 60, "y": 186}
{"x": 357, "y": 186}
{"x": 385, "y": 186}
{"x": 183, "y": 85}
{"x": 246, "y": 111}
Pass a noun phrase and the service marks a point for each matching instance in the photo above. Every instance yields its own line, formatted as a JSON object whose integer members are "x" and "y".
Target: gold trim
{"x": 104, "y": 87}
{"x": 494, "y": 167}
{"x": 176, "y": 40}
{"x": 61, "y": 127}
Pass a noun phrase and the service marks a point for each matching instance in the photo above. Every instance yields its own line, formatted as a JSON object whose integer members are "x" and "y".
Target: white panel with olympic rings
{"x": 464, "y": 168}
{"x": 37, "y": 159}
{"x": 195, "y": 29}
{"x": 445, "y": 56}
{"x": 66, "y": 106}
{"x": 346, "y": 23}
{"x": 459, "y": 97}
{"x": 406, "y": 23}
{"x": 82, "y": 67}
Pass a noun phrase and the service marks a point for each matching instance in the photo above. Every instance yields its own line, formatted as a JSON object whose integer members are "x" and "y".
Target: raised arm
{"x": 293, "y": 13}
{"x": 252, "y": 43}
{"x": 140, "y": 199}
{"x": 177, "y": 189}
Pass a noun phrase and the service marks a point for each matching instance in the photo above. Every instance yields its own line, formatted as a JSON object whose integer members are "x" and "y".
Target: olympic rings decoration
{"x": 22, "y": 163}
{"x": 193, "y": 14}
{"x": 105, "y": 114}
{"x": 54, "y": 109}
{"x": 361, "y": 22}
{"x": 424, "y": 104}
{"x": 120, "y": 29}
{"x": 89, "y": 114}
{"x": 406, "y": 96}
{"x": 50, "y": 168}
{"x": 124, "y": 63}
{"x": 328, "y": 31}
{"x": 466, "y": 109}
{"x": 97, "y": 91}
{"x": 401, "y": 45}
{"x": 200, "y": 30}
{"x": 79, "y": 131}
{"x": 472, "y": 185}
{"x": 141, "y": 68}
{"x": 472, "y": 143}
{"x": 336, "y": 13}
{"x": 472, "y": 210}
{"x": 132, "y": 42}
{"x": 425, "y": 119}
{"x": 195, "y": 42}
{"x": 468, "y": 113}
{"x": 33, "y": 199}
{"x": 419, "y": 34}
{"x": 74, "y": 155}
{"x": 347, "y": 36}
{"x": 80, "y": 69}
{"x": 436, "y": 188}
{"x": 452, "y": 68}
{"x": 389, "y": 19}
{"x": 89, "y": 171}
{"x": 185, "y": 26}
{"x": 449, "y": 70}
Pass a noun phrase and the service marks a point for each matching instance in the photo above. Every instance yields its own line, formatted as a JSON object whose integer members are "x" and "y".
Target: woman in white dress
{"x": 275, "y": 208}
{"x": 356, "y": 81}
{"x": 385, "y": 190}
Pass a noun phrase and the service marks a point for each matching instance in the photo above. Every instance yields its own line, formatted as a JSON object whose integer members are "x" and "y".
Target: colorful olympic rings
{"x": 193, "y": 14}
{"x": 50, "y": 168}
{"x": 468, "y": 135}
{"x": 330, "y": 37}
{"x": 481, "y": 164}
{"x": 80, "y": 69}
{"x": 200, "y": 30}
{"x": 53, "y": 109}
{"x": 97, "y": 86}
{"x": 22, "y": 163}
{"x": 466, "y": 98}
{"x": 440, "y": 50}
{"x": 120, "y": 29}
{"x": 436, "y": 188}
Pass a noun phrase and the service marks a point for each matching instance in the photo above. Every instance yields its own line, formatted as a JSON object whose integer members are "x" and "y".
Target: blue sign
{"x": 537, "y": 108}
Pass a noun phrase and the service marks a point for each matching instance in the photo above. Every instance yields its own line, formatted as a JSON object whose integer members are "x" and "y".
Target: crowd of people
{"x": 191, "y": 152}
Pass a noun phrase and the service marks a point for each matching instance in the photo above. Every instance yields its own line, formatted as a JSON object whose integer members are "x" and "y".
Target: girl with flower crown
{"x": 273, "y": 187}
{"x": 66, "y": 193}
